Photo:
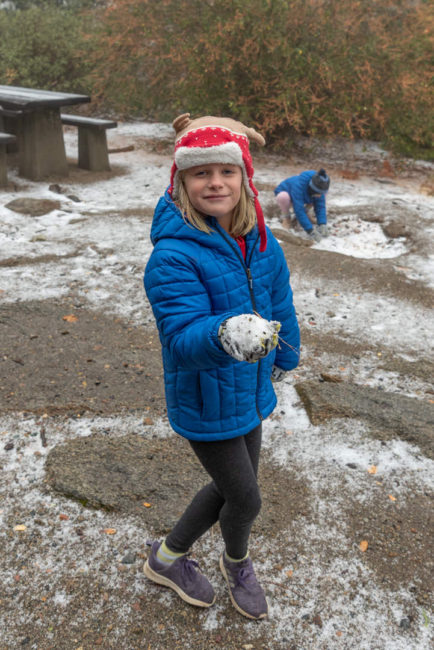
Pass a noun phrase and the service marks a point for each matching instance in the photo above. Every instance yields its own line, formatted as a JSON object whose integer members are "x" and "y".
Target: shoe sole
{"x": 161, "y": 580}
{"x": 234, "y": 603}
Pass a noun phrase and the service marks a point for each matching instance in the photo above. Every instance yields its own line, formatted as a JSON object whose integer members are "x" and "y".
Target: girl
{"x": 215, "y": 279}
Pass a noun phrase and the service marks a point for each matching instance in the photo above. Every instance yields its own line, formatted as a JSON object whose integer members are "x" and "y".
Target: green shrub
{"x": 43, "y": 47}
{"x": 353, "y": 68}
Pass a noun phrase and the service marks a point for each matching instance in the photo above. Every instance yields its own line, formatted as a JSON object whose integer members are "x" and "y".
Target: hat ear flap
{"x": 181, "y": 122}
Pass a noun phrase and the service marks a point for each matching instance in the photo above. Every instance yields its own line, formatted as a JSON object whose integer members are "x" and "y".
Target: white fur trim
{"x": 229, "y": 153}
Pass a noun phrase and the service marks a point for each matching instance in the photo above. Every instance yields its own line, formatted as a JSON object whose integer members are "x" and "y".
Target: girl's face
{"x": 214, "y": 190}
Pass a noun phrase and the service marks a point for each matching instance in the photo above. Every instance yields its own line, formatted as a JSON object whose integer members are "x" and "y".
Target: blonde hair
{"x": 243, "y": 217}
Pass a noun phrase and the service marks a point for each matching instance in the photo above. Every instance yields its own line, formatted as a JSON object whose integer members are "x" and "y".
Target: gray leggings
{"x": 232, "y": 498}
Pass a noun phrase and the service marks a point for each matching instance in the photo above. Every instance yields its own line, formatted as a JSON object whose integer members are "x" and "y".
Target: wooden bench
{"x": 5, "y": 139}
{"x": 92, "y": 141}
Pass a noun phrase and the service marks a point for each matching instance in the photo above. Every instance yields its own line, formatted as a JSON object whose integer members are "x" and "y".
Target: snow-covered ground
{"x": 98, "y": 248}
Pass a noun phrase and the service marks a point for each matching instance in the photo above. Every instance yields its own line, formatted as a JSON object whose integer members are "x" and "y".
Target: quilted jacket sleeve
{"x": 297, "y": 198}
{"x": 319, "y": 205}
{"x": 288, "y": 350}
{"x": 183, "y": 312}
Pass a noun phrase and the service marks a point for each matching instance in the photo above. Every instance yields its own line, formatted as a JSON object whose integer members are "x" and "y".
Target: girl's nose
{"x": 215, "y": 179}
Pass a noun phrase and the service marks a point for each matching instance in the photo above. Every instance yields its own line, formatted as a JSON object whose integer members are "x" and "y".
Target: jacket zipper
{"x": 246, "y": 267}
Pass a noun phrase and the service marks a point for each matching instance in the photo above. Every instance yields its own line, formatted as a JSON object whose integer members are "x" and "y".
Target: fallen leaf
{"x": 350, "y": 174}
{"x": 391, "y": 497}
{"x": 386, "y": 170}
{"x": 372, "y": 469}
{"x": 363, "y": 545}
{"x": 20, "y": 527}
{"x": 334, "y": 379}
{"x": 109, "y": 531}
{"x": 70, "y": 318}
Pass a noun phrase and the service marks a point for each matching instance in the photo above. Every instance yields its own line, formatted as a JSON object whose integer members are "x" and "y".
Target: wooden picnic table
{"x": 34, "y": 117}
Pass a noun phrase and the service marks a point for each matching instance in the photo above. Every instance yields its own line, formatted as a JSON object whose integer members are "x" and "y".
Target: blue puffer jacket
{"x": 195, "y": 281}
{"x": 297, "y": 188}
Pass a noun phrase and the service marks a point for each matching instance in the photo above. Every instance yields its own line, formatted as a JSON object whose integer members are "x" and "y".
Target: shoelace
{"x": 188, "y": 568}
{"x": 245, "y": 577}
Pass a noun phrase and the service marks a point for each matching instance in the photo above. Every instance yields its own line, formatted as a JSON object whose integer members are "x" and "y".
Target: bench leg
{"x": 92, "y": 149}
{"x": 3, "y": 168}
{"x": 41, "y": 148}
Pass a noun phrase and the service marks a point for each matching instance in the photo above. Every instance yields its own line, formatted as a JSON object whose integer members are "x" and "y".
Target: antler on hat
{"x": 208, "y": 140}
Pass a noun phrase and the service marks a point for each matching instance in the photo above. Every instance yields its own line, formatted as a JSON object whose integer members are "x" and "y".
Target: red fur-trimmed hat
{"x": 208, "y": 140}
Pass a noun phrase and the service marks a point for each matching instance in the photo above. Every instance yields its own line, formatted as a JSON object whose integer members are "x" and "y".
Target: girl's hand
{"x": 248, "y": 337}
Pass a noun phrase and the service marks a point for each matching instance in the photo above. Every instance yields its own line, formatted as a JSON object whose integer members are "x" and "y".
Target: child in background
{"x": 308, "y": 188}
{"x": 219, "y": 288}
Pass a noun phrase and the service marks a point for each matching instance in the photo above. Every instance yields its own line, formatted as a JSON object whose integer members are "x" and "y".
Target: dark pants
{"x": 232, "y": 498}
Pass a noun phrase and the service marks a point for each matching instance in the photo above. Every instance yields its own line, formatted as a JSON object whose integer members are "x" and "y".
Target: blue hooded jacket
{"x": 298, "y": 189}
{"x": 195, "y": 281}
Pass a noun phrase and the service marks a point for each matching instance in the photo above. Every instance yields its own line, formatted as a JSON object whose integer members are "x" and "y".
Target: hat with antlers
{"x": 207, "y": 140}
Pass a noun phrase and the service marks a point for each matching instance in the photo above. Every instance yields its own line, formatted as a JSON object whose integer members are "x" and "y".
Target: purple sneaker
{"x": 182, "y": 576}
{"x": 246, "y": 593}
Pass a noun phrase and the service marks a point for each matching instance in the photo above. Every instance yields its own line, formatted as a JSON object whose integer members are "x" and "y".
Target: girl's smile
{"x": 214, "y": 190}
